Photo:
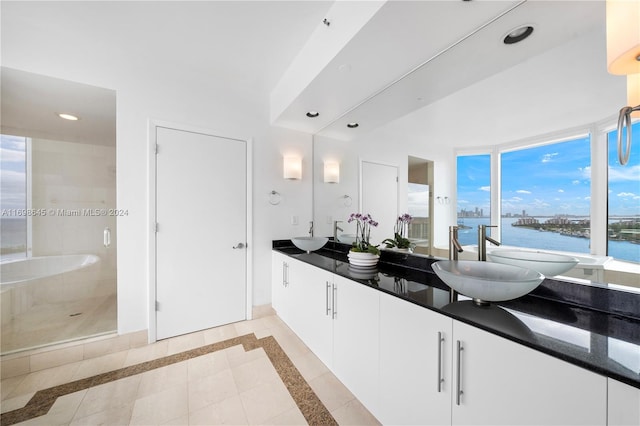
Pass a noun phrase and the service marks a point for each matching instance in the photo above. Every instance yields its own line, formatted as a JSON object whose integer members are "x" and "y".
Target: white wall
{"x": 169, "y": 93}
{"x": 561, "y": 89}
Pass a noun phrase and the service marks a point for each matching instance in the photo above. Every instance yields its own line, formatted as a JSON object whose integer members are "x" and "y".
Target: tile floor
{"x": 226, "y": 386}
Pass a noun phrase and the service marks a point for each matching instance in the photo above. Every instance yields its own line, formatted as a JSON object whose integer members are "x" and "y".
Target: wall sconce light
{"x": 623, "y": 58}
{"x": 292, "y": 168}
{"x": 331, "y": 172}
{"x": 623, "y": 37}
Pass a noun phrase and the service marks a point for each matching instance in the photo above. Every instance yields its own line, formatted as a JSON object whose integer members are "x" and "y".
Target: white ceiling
{"x": 403, "y": 55}
{"x": 230, "y": 48}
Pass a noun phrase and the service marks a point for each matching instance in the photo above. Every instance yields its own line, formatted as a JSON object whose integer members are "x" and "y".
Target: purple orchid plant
{"x": 364, "y": 222}
{"x": 400, "y": 233}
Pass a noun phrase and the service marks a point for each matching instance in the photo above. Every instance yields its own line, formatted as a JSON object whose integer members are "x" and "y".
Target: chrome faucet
{"x": 454, "y": 244}
{"x": 336, "y": 228}
{"x": 311, "y": 229}
{"x": 482, "y": 241}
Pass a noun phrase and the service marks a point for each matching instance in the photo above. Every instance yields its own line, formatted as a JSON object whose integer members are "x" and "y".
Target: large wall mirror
{"x": 497, "y": 97}
{"x": 59, "y": 213}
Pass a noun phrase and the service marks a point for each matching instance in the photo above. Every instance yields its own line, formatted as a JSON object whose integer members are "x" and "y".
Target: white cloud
{"x": 626, "y": 194}
{"x": 560, "y": 190}
{"x": 516, "y": 199}
{"x": 12, "y": 156}
{"x": 587, "y": 198}
{"x": 463, "y": 202}
{"x": 576, "y": 182}
{"x": 548, "y": 157}
{"x": 485, "y": 188}
{"x": 523, "y": 191}
{"x": 623, "y": 174}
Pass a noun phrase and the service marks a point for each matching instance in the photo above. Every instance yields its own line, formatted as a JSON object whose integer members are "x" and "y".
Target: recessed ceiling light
{"x": 313, "y": 114}
{"x": 68, "y": 116}
{"x": 352, "y": 125}
{"x": 518, "y": 34}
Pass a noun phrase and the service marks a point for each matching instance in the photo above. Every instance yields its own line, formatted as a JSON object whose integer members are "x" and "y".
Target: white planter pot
{"x": 363, "y": 259}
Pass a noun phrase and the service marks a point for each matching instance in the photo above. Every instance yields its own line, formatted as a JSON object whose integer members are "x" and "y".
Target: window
{"x": 13, "y": 198}
{"x": 623, "y": 222}
{"x": 545, "y": 196}
{"x": 474, "y": 195}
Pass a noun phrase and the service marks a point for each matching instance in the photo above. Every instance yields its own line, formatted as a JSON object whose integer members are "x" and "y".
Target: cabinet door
{"x": 505, "y": 383}
{"x": 624, "y": 404}
{"x": 356, "y": 339}
{"x": 312, "y": 292}
{"x": 279, "y": 292}
{"x": 415, "y": 364}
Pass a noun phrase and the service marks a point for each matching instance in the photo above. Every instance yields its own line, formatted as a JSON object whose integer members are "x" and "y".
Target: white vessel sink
{"x": 309, "y": 244}
{"x": 487, "y": 281}
{"x": 548, "y": 264}
{"x": 347, "y": 238}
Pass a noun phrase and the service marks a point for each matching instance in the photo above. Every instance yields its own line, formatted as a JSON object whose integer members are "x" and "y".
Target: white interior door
{"x": 201, "y": 214}
{"x": 379, "y": 197}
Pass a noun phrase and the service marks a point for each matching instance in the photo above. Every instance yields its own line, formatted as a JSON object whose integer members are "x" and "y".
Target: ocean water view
{"x": 519, "y": 236}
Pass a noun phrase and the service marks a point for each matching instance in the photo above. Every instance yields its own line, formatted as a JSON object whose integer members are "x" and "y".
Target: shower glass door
{"x": 58, "y": 222}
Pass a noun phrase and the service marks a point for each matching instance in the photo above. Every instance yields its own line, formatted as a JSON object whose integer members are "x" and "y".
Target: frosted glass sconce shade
{"x": 331, "y": 172}
{"x": 292, "y": 168}
{"x": 623, "y": 37}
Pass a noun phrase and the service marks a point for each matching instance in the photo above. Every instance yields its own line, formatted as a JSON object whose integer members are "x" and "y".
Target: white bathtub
{"x": 22, "y": 271}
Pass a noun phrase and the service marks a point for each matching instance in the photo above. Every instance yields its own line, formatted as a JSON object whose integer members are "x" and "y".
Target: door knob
{"x": 238, "y": 246}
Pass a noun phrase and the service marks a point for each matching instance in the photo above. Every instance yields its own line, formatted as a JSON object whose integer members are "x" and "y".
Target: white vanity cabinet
{"x": 623, "y": 404}
{"x": 500, "y": 382}
{"x": 280, "y": 293}
{"x": 356, "y": 334}
{"x": 313, "y": 323}
{"x": 415, "y": 364}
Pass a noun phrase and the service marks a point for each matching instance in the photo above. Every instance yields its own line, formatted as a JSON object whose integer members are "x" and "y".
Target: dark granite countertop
{"x": 593, "y": 327}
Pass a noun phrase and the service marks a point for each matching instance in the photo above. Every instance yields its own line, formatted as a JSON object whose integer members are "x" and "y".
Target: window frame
{"x": 598, "y": 210}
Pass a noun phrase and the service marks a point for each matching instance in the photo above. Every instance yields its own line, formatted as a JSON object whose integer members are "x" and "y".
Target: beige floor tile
{"x": 354, "y": 413}
{"x": 146, "y": 353}
{"x": 11, "y": 404}
{"x": 219, "y": 334}
{"x": 229, "y": 411}
{"x": 106, "y": 346}
{"x": 180, "y": 421}
{"x": 158, "y": 380}
{"x": 56, "y": 358}
{"x": 161, "y": 407}
{"x": 266, "y": 401}
{"x": 108, "y": 396}
{"x": 15, "y": 367}
{"x": 45, "y": 379}
{"x": 206, "y": 365}
{"x": 309, "y": 366}
{"x": 331, "y": 391}
{"x": 263, "y": 311}
{"x": 185, "y": 343}
{"x": 61, "y": 412}
{"x": 291, "y": 343}
{"x": 99, "y": 365}
{"x": 254, "y": 373}
{"x": 251, "y": 326}
{"x": 117, "y": 415}
{"x": 272, "y": 321}
{"x": 236, "y": 355}
{"x": 291, "y": 417}
{"x": 7, "y": 386}
{"x": 211, "y": 389}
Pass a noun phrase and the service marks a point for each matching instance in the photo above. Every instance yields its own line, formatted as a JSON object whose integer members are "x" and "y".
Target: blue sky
{"x": 551, "y": 179}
